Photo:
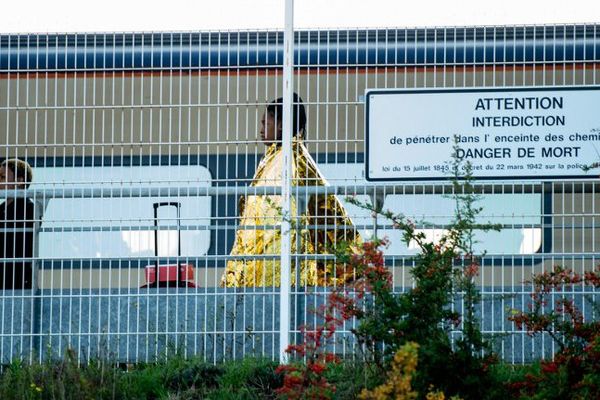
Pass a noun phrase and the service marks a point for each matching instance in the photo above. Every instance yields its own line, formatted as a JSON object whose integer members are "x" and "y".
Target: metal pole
{"x": 286, "y": 181}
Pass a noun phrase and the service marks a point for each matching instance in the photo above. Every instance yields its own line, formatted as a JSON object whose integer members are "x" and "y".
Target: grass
{"x": 172, "y": 379}
{"x": 186, "y": 379}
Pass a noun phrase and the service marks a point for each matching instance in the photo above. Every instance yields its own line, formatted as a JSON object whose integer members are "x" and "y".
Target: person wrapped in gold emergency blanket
{"x": 317, "y": 229}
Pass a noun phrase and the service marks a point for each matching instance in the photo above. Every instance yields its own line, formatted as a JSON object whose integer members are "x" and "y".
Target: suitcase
{"x": 169, "y": 275}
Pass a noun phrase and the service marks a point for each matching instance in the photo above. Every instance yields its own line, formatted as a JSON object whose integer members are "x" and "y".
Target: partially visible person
{"x": 17, "y": 219}
{"x": 325, "y": 215}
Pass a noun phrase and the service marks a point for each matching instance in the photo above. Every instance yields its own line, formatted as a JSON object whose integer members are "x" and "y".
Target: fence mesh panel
{"x": 113, "y": 124}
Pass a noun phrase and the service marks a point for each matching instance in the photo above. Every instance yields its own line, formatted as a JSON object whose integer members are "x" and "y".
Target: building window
{"x": 121, "y": 227}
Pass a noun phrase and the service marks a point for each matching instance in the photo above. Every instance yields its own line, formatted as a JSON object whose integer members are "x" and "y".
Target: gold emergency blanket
{"x": 260, "y": 228}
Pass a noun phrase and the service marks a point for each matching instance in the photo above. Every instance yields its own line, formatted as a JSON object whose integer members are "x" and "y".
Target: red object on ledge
{"x": 181, "y": 275}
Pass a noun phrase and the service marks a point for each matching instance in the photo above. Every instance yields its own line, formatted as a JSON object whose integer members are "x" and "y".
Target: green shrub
{"x": 574, "y": 371}
{"x": 255, "y": 376}
{"x": 180, "y": 375}
{"x": 423, "y": 314}
{"x": 65, "y": 379}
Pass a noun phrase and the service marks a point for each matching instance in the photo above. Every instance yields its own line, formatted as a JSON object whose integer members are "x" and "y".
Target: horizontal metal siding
{"x": 402, "y": 47}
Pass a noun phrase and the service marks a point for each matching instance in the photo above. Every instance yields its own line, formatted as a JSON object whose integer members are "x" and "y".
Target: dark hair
{"x": 275, "y": 108}
{"x": 20, "y": 169}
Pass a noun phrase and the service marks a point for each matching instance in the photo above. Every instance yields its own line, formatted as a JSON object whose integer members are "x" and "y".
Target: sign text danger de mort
{"x": 526, "y": 133}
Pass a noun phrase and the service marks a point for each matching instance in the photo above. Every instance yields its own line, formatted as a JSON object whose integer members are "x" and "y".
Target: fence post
{"x": 286, "y": 181}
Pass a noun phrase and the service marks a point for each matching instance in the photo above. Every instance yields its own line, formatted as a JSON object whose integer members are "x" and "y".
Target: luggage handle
{"x": 156, "y": 206}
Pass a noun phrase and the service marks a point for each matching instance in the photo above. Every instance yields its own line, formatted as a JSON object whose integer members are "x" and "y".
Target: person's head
{"x": 271, "y": 123}
{"x": 15, "y": 174}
